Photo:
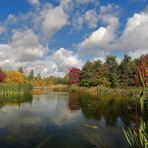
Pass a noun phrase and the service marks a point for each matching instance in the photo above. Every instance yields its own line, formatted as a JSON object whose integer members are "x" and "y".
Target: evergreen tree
{"x": 127, "y": 71}
{"x": 86, "y": 75}
{"x": 31, "y": 75}
{"x": 113, "y": 74}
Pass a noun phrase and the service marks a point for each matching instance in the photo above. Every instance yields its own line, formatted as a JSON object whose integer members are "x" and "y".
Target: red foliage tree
{"x": 2, "y": 76}
{"x": 143, "y": 67}
{"x": 74, "y": 75}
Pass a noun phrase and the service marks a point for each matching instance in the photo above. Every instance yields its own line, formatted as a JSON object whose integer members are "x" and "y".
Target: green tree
{"x": 31, "y": 75}
{"x": 113, "y": 73}
{"x": 127, "y": 71}
{"x": 100, "y": 76}
{"x": 88, "y": 71}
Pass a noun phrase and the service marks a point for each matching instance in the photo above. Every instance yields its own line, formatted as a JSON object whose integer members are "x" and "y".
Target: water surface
{"x": 64, "y": 120}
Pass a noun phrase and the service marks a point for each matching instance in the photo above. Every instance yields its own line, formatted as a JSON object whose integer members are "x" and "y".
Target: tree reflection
{"x": 106, "y": 106}
{"x": 73, "y": 102}
{"x": 16, "y": 100}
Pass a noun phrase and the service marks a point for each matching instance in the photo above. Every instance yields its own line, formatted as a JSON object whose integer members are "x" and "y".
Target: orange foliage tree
{"x": 15, "y": 77}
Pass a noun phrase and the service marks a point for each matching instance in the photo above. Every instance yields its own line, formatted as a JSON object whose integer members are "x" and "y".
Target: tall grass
{"x": 139, "y": 139}
{"x": 13, "y": 89}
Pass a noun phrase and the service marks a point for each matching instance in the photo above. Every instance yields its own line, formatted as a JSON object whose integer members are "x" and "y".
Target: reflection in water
{"x": 108, "y": 107}
{"x": 15, "y": 100}
{"x": 73, "y": 102}
{"x": 59, "y": 119}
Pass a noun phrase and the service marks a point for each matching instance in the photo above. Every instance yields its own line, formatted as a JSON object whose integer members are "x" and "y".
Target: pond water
{"x": 64, "y": 120}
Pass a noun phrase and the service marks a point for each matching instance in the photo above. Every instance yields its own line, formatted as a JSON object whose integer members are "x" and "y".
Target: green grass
{"x": 13, "y": 89}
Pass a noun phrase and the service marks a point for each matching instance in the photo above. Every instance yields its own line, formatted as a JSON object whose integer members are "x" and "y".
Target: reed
{"x": 13, "y": 89}
{"x": 139, "y": 139}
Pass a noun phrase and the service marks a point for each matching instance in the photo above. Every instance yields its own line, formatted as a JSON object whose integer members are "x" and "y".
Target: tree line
{"x": 93, "y": 73}
{"x": 20, "y": 77}
{"x": 111, "y": 73}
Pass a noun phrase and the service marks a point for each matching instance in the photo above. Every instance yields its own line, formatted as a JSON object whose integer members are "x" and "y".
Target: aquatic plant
{"x": 14, "y": 89}
{"x": 139, "y": 139}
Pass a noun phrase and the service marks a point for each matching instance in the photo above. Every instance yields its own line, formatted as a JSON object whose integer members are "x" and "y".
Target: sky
{"x": 50, "y": 36}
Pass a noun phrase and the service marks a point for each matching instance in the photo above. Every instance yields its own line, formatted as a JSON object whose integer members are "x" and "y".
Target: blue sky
{"x": 50, "y": 36}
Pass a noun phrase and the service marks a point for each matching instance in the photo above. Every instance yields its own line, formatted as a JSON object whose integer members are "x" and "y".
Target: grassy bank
{"x": 98, "y": 90}
{"x": 13, "y": 89}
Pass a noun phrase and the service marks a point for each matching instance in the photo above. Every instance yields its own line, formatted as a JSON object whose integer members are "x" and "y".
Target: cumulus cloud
{"x": 91, "y": 18}
{"x": 104, "y": 14}
{"x": 26, "y": 51}
{"x": 55, "y": 64}
{"x": 45, "y": 19}
{"x": 135, "y": 35}
{"x": 23, "y": 47}
{"x": 103, "y": 37}
{"x": 137, "y": 53}
{"x": 26, "y": 45}
{"x": 2, "y": 29}
{"x": 84, "y": 1}
{"x": 133, "y": 38}
{"x": 99, "y": 38}
{"x": 34, "y": 2}
{"x": 66, "y": 59}
{"x": 51, "y": 19}
{"x": 6, "y": 61}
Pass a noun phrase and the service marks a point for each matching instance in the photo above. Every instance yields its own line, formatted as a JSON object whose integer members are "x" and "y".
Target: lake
{"x": 65, "y": 120}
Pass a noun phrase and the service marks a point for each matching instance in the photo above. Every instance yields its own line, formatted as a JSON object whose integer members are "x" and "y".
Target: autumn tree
{"x": 74, "y": 75}
{"x": 100, "y": 76}
{"x": 15, "y": 77}
{"x": 2, "y": 75}
{"x": 143, "y": 69}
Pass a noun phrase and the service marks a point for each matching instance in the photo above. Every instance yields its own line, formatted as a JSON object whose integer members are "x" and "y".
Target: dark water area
{"x": 65, "y": 120}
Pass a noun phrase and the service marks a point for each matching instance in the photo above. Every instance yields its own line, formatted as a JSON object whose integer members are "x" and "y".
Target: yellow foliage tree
{"x": 15, "y": 77}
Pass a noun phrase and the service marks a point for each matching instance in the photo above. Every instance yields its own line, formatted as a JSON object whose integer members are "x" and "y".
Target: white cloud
{"x": 98, "y": 39}
{"x": 103, "y": 36}
{"x": 26, "y": 45}
{"x": 133, "y": 38}
{"x": 6, "y": 61}
{"x": 51, "y": 19}
{"x": 135, "y": 35}
{"x": 25, "y": 51}
{"x": 2, "y": 29}
{"x": 105, "y": 14}
{"x": 34, "y": 2}
{"x": 45, "y": 19}
{"x": 56, "y": 64}
{"x": 66, "y": 59}
{"x": 91, "y": 17}
{"x": 23, "y": 47}
{"x": 137, "y": 53}
{"x": 85, "y": 1}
